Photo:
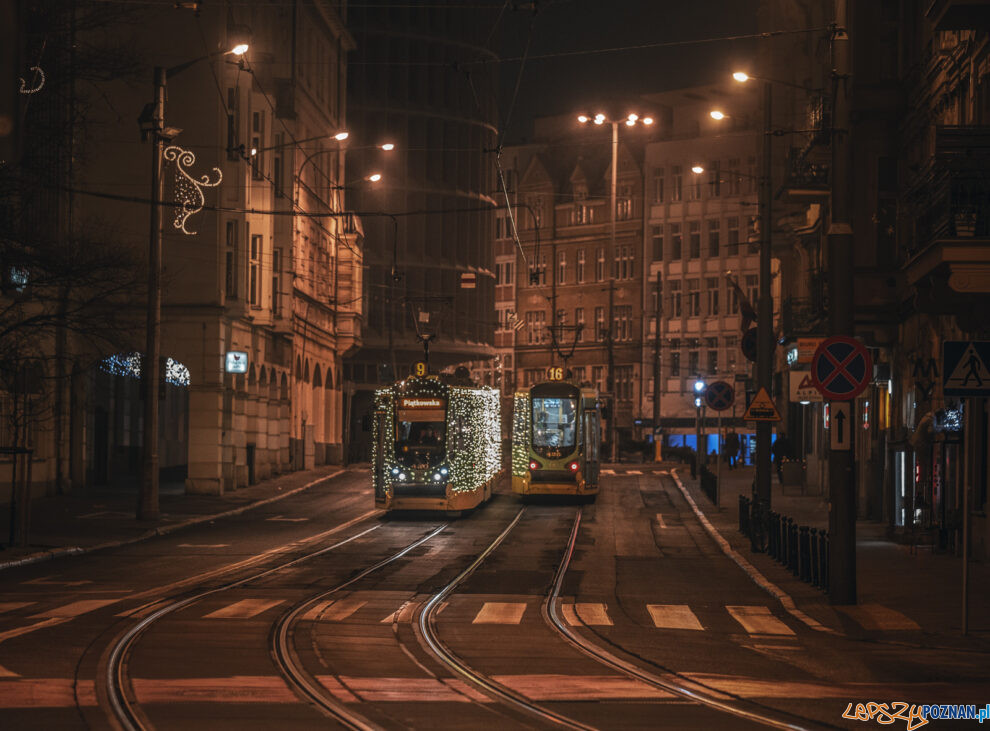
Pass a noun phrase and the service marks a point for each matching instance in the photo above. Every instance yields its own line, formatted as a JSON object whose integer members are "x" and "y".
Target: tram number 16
{"x": 555, "y": 373}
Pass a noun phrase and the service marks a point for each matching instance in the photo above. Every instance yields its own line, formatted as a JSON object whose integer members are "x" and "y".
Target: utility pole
{"x": 764, "y": 323}
{"x": 657, "y": 374}
{"x": 842, "y": 475}
{"x": 147, "y": 508}
{"x": 610, "y": 262}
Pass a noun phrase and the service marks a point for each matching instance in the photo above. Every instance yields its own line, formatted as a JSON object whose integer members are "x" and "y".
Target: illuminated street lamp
{"x": 717, "y": 114}
{"x": 699, "y": 390}
{"x": 630, "y": 120}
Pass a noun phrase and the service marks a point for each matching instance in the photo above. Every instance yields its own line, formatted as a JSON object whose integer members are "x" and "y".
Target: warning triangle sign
{"x": 762, "y": 408}
{"x": 970, "y": 371}
{"x": 806, "y": 382}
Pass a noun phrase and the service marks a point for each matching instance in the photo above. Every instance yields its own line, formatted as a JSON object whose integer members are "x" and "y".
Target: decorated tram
{"x": 556, "y": 438}
{"x": 437, "y": 444}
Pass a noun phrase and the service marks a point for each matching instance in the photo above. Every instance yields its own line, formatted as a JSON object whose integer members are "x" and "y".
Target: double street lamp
{"x": 630, "y": 121}
{"x": 152, "y": 122}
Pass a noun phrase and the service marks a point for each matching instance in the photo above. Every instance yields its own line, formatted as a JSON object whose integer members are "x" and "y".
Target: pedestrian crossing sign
{"x": 762, "y": 408}
{"x": 965, "y": 369}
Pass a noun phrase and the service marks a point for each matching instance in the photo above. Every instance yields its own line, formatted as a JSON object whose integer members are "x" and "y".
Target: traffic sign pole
{"x": 718, "y": 461}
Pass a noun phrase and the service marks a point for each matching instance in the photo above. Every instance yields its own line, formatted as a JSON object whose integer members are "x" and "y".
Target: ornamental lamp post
{"x": 152, "y": 124}
{"x": 630, "y": 121}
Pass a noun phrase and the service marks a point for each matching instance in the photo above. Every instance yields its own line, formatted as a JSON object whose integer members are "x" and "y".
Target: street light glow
{"x": 340, "y": 136}
{"x": 632, "y": 117}
{"x": 697, "y": 169}
{"x": 599, "y": 118}
{"x": 716, "y": 114}
{"x": 630, "y": 122}
{"x": 583, "y": 118}
{"x": 240, "y": 49}
{"x": 741, "y": 76}
{"x": 647, "y": 120}
{"x": 374, "y": 177}
{"x": 388, "y": 146}
{"x": 697, "y": 402}
{"x": 699, "y": 386}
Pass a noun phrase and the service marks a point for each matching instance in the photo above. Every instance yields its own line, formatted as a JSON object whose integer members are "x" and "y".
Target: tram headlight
{"x": 395, "y": 470}
{"x": 402, "y": 477}
{"x": 437, "y": 477}
{"x": 444, "y": 471}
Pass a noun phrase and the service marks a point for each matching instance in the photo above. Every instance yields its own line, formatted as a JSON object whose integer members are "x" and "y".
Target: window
{"x": 675, "y": 298}
{"x": 735, "y": 182}
{"x": 579, "y": 321}
{"x": 254, "y": 271}
{"x": 277, "y": 164}
{"x": 693, "y": 298}
{"x": 561, "y": 318}
{"x": 731, "y": 348}
{"x": 257, "y": 145}
{"x": 715, "y": 179}
{"x": 582, "y": 213}
{"x": 677, "y": 183}
{"x": 562, "y": 268}
{"x": 694, "y": 238}
{"x": 277, "y": 282}
{"x": 658, "y": 185}
{"x": 753, "y": 235}
{"x": 693, "y": 362}
{"x": 622, "y": 322}
{"x": 598, "y": 377}
{"x": 600, "y": 266}
{"x": 711, "y": 285}
{"x": 675, "y": 363}
{"x": 733, "y": 299}
{"x": 538, "y": 271}
{"x": 752, "y": 289}
{"x": 233, "y": 123}
{"x": 624, "y": 382}
{"x": 580, "y": 266}
{"x": 508, "y": 273}
{"x": 230, "y": 273}
{"x": 578, "y": 373}
{"x": 696, "y": 183}
{"x": 536, "y": 327}
{"x": 622, "y": 266}
{"x": 533, "y": 215}
{"x": 751, "y": 174}
{"x": 733, "y": 242}
{"x": 713, "y": 235}
{"x": 623, "y": 204}
{"x": 675, "y": 241}
{"x": 658, "y": 243}
{"x": 599, "y": 324}
{"x": 712, "y": 362}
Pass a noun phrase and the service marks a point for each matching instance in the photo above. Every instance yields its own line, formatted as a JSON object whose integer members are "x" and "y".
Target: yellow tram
{"x": 437, "y": 443}
{"x": 556, "y": 438}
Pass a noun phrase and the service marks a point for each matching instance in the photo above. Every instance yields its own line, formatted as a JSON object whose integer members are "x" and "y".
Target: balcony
{"x": 959, "y": 14}
{"x": 806, "y": 181}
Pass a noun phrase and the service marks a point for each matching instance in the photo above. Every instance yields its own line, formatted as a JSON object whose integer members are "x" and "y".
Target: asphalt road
{"x": 318, "y": 611}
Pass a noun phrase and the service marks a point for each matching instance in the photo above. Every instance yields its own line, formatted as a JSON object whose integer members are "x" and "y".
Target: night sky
{"x": 574, "y": 82}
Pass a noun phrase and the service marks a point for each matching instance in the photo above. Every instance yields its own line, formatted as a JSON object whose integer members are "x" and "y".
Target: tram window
{"x": 554, "y": 422}
{"x": 420, "y": 433}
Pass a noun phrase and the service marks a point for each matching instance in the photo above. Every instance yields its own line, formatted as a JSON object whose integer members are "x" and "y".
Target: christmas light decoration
{"x": 522, "y": 415}
{"x": 40, "y": 75}
{"x": 188, "y": 189}
{"x": 129, "y": 366}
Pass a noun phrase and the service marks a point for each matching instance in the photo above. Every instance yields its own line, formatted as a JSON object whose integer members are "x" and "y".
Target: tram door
{"x": 592, "y": 443}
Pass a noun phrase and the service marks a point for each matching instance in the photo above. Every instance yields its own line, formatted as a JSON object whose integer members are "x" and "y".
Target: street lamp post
{"x": 629, "y": 121}
{"x": 152, "y": 121}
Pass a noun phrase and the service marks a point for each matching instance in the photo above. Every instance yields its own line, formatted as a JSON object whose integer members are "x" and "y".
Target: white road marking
{"x": 500, "y": 613}
{"x": 46, "y": 581}
{"x": 660, "y": 520}
{"x": 11, "y": 606}
{"x": 607, "y": 472}
{"x": 203, "y": 545}
{"x": 341, "y": 610}
{"x": 673, "y": 616}
{"x": 589, "y": 614}
{"x": 758, "y": 621}
{"x": 18, "y": 631}
{"x": 280, "y": 519}
{"x": 659, "y": 472}
{"x": 244, "y": 609}
{"x": 878, "y": 618}
{"x": 76, "y": 608}
{"x": 633, "y": 472}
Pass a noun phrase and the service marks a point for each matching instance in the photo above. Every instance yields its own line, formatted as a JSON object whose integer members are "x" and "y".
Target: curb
{"x": 785, "y": 599}
{"x": 158, "y": 531}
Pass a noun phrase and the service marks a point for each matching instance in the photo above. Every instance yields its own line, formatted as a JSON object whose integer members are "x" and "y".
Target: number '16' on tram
{"x": 556, "y": 438}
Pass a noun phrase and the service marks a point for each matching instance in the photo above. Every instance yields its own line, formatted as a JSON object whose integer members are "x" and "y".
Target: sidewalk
{"x": 92, "y": 519}
{"x": 921, "y": 587}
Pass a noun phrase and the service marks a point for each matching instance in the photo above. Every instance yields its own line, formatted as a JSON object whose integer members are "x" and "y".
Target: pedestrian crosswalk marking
{"x": 633, "y": 472}
{"x": 660, "y": 520}
{"x": 758, "y": 621}
{"x": 11, "y": 606}
{"x": 74, "y": 609}
{"x": 340, "y": 610}
{"x": 244, "y": 609}
{"x": 673, "y": 616}
{"x": 878, "y": 618}
{"x": 591, "y": 614}
{"x": 607, "y": 472}
{"x": 660, "y": 472}
{"x": 500, "y": 613}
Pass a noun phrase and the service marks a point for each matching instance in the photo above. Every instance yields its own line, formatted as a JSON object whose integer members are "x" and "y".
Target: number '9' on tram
{"x": 556, "y": 438}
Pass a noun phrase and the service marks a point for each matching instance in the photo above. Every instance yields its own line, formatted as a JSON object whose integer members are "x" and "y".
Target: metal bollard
{"x": 792, "y": 546}
{"x": 815, "y": 559}
{"x": 804, "y": 548}
{"x": 744, "y": 515}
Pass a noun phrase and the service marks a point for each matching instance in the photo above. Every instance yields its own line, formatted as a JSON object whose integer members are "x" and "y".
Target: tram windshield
{"x": 420, "y": 432}
{"x": 555, "y": 423}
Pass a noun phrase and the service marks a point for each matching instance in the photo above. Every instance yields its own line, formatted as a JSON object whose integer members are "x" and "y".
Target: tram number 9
{"x": 556, "y": 373}
{"x": 419, "y": 368}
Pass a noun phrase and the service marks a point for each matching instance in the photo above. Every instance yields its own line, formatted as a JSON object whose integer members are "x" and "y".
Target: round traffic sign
{"x": 719, "y": 396}
{"x": 841, "y": 368}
